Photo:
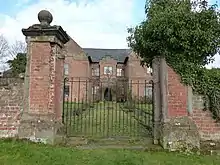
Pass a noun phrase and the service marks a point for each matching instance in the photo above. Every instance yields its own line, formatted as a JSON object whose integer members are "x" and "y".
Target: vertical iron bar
{"x": 131, "y": 106}
{"x": 86, "y": 104}
{"x": 152, "y": 108}
{"x": 142, "y": 103}
{"x": 67, "y": 112}
{"x": 63, "y": 112}
{"x": 100, "y": 109}
{"x": 113, "y": 109}
{"x": 115, "y": 112}
{"x": 137, "y": 109}
{"x": 123, "y": 122}
{"x": 90, "y": 104}
{"x": 118, "y": 120}
{"x": 82, "y": 104}
{"x": 127, "y": 86}
{"x": 71, "y": 105}
{"x": 129, "y": 101}
{"x": 149, "y": 112}
{"x": 145, "y": 103}
{"x": 95, "y": 110}
{"x": 103, "y": 115}
{"x": 75, "y": 119}
{"x": 108, "y": 108}
{"x": 78, "y": 106}
{"x": 93, "y": 105}
{"x": 129, "y": 114}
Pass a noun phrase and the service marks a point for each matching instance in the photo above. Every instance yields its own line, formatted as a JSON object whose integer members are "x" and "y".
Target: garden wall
{"x": 209, "y": 129}
{"x": 11, "y": 100}
{"x": 182, "y": 102}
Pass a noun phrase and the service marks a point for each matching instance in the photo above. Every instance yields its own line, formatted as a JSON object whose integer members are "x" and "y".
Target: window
{"x": 108, "y": 70}
{"x": 95, "y": 71}
{"x": 95, "y": 89}
{"x": 66, "y": 69}
{"x": 66, "y": 90}
{"x": 148, "y": 91}
{"x": 119, "y": 71}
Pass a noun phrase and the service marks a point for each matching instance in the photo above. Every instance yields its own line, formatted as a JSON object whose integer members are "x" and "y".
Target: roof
{"x": 97, "y": 54}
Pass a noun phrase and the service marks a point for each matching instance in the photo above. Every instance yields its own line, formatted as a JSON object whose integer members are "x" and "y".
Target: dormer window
{"x": 108, "y": 70}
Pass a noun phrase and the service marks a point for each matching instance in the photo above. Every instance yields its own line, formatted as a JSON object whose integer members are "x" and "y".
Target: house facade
{"x": 103, "y": 74}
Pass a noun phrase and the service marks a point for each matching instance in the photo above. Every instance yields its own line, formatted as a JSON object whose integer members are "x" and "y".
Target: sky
{"x": 91, "y": 23}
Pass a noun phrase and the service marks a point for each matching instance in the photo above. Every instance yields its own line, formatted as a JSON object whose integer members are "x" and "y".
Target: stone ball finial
{"x": 45, "y": 17}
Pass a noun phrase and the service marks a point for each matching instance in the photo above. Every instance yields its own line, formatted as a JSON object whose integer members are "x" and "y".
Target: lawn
{"x": 24, "y": 153}
{"x": 107, "y": 119}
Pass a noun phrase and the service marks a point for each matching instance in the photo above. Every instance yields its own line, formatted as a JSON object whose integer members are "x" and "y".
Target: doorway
{"x": 108, "y": 94}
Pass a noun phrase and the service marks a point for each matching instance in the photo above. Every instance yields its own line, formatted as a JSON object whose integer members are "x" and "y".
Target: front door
{"x": 108, "y": 94}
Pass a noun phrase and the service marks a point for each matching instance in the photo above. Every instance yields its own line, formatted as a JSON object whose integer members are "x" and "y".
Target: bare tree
{"x": 9, "y": 52}
{"x": 3, "y": 52}
{"x": 17, "y": 47}
{"x": 3, "y": 48}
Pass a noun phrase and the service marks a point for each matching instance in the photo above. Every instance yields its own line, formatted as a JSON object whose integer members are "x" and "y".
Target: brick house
{"x": 103, "y": 73}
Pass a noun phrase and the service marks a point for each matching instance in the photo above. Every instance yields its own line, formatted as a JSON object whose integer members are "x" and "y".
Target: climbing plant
{"x": 187, "y": 34}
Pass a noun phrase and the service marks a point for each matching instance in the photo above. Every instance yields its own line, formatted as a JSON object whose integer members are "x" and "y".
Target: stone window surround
{"x": 106, "y": 68}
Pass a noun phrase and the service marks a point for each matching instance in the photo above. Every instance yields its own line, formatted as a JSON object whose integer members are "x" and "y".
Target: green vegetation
{"x": 108, "y": 119}
{"x": 18, "y": 64}
{"x": 187, "y": 38}
{"x": 26, "y": 153}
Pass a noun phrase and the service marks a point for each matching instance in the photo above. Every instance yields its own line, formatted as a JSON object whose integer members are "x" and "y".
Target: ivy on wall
{"x": 203, "y": 81}
{"x": 187, "y": 34}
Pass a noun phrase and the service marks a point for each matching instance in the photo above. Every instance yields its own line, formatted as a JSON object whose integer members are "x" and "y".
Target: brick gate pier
{"x": 43, "y": 96}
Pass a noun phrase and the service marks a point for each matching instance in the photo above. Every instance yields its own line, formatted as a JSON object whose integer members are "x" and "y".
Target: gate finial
{"x": 45, "y": 17}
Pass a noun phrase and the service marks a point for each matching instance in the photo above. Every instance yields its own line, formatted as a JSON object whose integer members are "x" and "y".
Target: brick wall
{"x": 177, "y": 106}
{"x": 39, "y": 79}
{"x": 11, "y": 99}
{"x": 209, "y": 129}
{"x": 177, "y": 95}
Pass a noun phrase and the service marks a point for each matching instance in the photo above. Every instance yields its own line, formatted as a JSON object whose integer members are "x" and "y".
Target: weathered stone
{"x": 45, "y": 17}
{"x": 44, "y": 131}
{"x": 180, "y": 133}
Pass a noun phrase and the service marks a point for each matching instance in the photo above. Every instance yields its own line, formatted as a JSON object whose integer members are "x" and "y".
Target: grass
{"x": 25, "y": 153}
{"x": 142, "y": 106}
{"x": 107, "y": 119}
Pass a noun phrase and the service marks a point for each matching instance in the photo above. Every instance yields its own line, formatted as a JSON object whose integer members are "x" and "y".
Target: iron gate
{"x": 104, "y": 109}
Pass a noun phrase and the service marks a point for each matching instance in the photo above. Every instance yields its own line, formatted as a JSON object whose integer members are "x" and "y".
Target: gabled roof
{"x": 97, "y": 54}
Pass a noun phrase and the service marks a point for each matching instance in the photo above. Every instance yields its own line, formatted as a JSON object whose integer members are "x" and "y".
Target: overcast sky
{"x": 91, "y": 23}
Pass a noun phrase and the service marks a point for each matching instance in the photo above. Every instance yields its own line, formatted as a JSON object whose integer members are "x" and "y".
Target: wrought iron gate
{"x": 104, "y": 109}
